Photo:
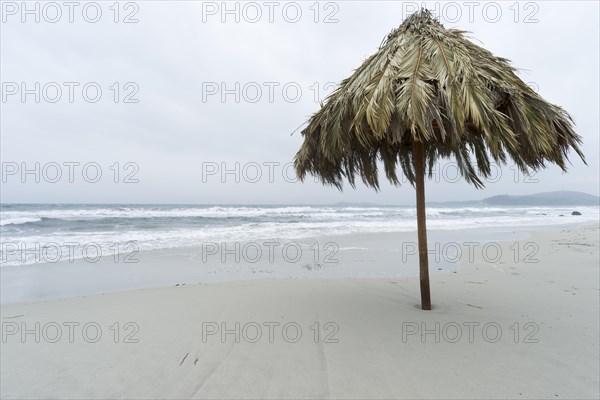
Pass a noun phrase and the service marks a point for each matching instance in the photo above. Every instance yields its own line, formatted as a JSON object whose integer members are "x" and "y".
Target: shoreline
{"x": 348, "y": 256}
{"x": 360, "y": 338}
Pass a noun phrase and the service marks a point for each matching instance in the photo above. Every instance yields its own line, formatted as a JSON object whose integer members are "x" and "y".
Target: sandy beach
{"x": 498, "y": 330}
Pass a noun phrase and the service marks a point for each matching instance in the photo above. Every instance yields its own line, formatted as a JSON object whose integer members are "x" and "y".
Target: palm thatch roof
{"x": 431, "y": 84}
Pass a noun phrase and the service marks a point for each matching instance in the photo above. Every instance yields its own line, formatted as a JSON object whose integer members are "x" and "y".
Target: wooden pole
{"x": 419, "y": 159}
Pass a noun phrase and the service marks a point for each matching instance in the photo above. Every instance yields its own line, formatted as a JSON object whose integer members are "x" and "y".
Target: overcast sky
{"x": 199, "y": 94}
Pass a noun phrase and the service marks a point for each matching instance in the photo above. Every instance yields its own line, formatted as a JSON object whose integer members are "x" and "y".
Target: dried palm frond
{"x": 431, "y": 84}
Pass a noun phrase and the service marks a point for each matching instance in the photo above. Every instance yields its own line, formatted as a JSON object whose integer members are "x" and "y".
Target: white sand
{"x": 558, "y": 296}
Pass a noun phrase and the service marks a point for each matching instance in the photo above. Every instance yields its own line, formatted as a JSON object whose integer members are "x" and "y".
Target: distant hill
{"x": 561, "y": 198}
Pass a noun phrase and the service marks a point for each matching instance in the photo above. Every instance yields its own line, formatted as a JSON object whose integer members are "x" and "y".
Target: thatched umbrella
{"x": 429, "y": 93}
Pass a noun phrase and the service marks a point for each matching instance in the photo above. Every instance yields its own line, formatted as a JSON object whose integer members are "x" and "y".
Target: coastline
{"x": 547, "y": 313}
{"x": 356, "y": 255}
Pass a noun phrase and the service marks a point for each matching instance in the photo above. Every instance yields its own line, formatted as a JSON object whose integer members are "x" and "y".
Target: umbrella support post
{"x": 419, "y": 159}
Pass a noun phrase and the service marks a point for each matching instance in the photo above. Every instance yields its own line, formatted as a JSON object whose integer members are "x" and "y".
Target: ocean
{"x": 48, "y": 229}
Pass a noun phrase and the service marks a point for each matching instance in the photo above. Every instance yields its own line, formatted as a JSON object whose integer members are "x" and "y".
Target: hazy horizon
{"x": 282, "y": 204}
